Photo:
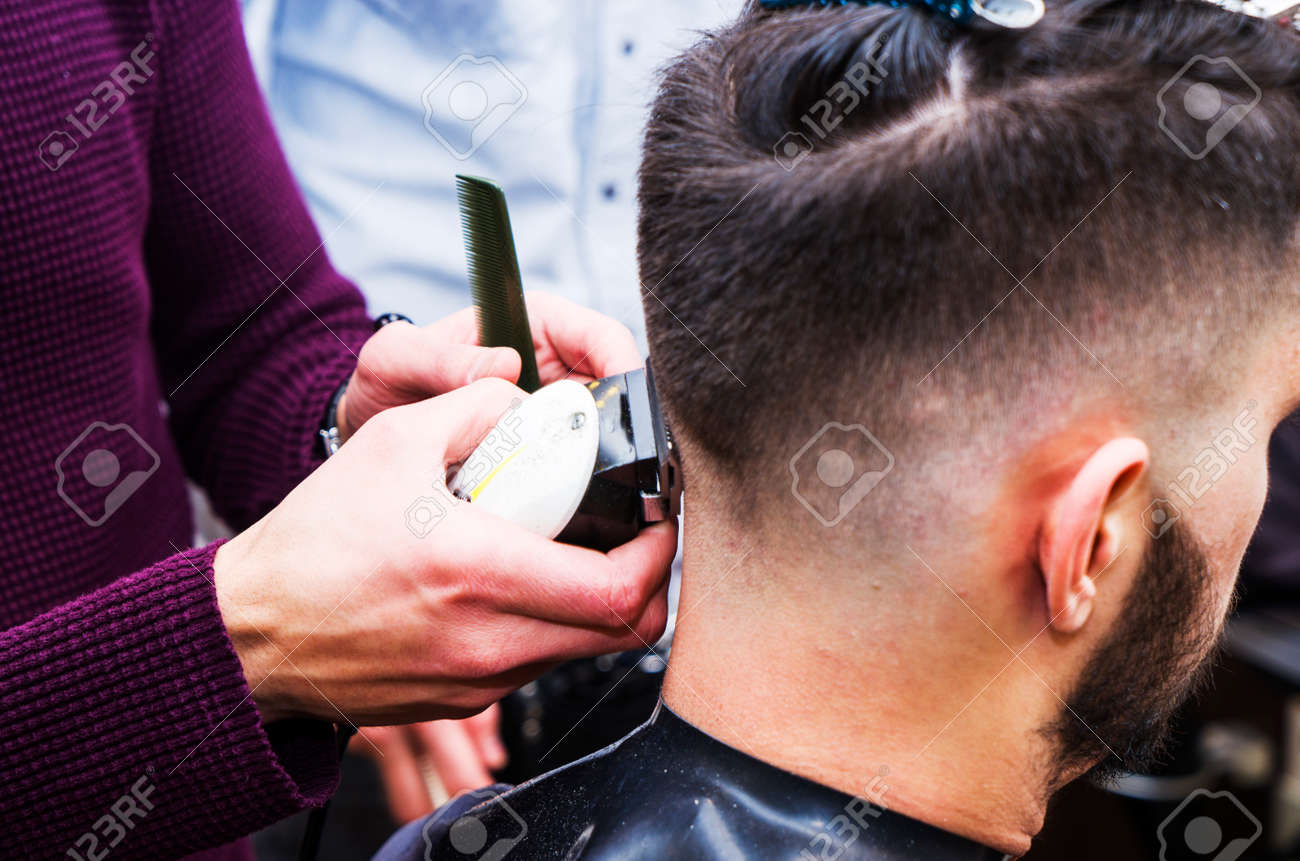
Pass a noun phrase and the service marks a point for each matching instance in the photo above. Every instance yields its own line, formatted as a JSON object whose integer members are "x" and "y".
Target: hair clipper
{"x": 588, "y": 464}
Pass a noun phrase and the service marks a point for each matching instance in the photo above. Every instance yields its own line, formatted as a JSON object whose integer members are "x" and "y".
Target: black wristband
{"x": 328, "y": 434}
{"x": 329, "y": 427}
{"x": 384, "y": 319}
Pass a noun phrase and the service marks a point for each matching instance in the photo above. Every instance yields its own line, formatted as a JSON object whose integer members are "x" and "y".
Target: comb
{"x": 494, "y": 279}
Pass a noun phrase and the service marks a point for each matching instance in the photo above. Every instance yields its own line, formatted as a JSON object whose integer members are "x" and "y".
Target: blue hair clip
{"x": 1012, "y": 14}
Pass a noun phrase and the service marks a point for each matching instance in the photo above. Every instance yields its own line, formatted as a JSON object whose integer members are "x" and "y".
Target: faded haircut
{"x": 802, "y": 264}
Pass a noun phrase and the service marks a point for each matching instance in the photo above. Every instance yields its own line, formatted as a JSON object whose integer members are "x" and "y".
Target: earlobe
{"x": 1080, "y": 536}
{"x": 1077, "y": 605}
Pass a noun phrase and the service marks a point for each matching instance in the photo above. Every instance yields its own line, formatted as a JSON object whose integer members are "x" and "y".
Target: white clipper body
{"x": 534, "y": 466}
{"x": 588, "y": 464}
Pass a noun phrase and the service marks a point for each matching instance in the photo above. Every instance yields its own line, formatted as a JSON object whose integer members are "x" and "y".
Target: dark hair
{"x": 842, "y": 279}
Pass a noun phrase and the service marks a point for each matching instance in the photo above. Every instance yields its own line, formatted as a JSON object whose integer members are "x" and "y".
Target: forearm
{"x": 128, "y": 719}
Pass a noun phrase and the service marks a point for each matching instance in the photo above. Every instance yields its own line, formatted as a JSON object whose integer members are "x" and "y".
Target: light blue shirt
{"x": 379, "y": 103}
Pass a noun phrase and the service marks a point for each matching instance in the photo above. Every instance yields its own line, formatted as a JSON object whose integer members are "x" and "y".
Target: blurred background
{"x": 379, "y": 103}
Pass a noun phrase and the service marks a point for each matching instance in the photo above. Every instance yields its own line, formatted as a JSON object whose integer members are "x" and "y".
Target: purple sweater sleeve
{"x": 181, "y": 761}
{"x": 253, "y": 327}
{"x": 128, "y": 722}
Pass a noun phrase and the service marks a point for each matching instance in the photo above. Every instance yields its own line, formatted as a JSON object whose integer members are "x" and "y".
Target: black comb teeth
{"x": 494, "y": 278}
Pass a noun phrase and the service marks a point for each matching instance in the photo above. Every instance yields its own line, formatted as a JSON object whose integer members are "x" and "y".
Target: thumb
{"x": 433, "y": 365}
{"x": 483, "y": 362}
{"x": 462, "y": 418}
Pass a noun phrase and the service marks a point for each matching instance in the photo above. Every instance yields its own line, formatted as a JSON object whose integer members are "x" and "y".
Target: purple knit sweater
{"x": 138, "y": 160}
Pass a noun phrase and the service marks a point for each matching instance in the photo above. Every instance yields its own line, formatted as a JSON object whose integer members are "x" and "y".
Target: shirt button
{"x": 609, "y": 190}
{"x": 629, "y": 46}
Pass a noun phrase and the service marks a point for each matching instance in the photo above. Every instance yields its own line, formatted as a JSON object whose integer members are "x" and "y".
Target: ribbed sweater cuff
{"x": 322, "y": 375}
{"x": 139, "y": 680}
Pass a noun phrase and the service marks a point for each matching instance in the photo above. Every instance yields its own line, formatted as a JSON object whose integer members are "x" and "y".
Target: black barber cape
{"x": 669, "y": 790}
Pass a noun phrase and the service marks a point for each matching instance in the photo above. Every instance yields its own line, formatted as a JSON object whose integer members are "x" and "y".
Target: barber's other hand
{"x": 402, "y": 363}
{"x": 461, "y": 753}
{"x": 370, "y": 591}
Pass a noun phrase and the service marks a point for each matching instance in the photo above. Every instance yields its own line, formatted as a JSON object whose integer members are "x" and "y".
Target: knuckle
{"x": 383, "y": 341}
{"x": 386, "y": 427}
{"x": 623, "y": 598}
{"x": 653, "y": 624}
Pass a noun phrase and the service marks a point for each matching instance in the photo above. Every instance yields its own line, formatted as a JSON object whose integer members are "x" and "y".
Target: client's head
{"x": 971, "y": 342}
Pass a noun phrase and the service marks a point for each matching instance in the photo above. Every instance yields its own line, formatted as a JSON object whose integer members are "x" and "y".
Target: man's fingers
{"x": 646, "y": 560}
{"x": 585, "y": 340}
{"x": 425, "y": 361}
{"x": 485, "y": 731}
{"x": 454, "y": 755}
{"x": 527, "y": 575}
{"x": 535, "y": 646}
{"x": 483, "y": 362}
{"x": 408, "y": 795}
{"x": 463, "y": 418}
{"x": 374, "y": 741}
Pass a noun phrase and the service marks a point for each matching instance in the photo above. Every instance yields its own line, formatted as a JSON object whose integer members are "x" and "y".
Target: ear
{"x": 1085, "y": 529}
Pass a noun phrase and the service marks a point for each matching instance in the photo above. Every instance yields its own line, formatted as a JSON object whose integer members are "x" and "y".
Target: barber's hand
{"x": 461, "y": 753}
{"x": 371, "y": 591}
{"x": 402, "y": 363}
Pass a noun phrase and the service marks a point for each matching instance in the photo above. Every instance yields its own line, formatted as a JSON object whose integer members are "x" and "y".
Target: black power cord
{"x": 316, "y": 821}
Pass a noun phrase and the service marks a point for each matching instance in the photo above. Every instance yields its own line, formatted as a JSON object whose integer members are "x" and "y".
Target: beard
{"x": 1119, "y": 715}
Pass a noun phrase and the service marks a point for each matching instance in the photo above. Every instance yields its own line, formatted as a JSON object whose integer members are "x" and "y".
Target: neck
{"x": 863, "y": 704}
